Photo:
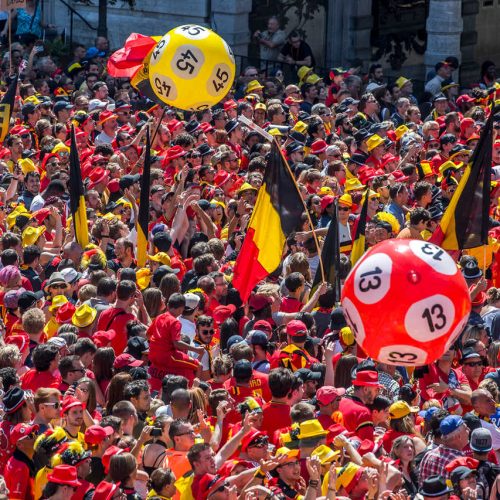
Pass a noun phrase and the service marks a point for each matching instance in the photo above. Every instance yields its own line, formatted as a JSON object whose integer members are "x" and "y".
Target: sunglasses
{"x": 25, "y": 136}
{"x": 261, "y": 443}
{"x": 191, "y": 432}
{"x": 55, "y": 405}
{"x": 53, "y": 164}
{"x": 344, "y": 209}
{"x": 475, "y": 363}
{"x": 58, "y": 286}
{"x": 81, "y": 370}
{"x": 207, "y": 332}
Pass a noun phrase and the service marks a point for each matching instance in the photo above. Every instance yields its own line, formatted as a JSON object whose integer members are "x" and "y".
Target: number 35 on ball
{"x": 406, "y": 302}
{"x": 191, "y": 68}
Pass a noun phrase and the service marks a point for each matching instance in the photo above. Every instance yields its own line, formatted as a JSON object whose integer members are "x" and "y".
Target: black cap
{"x": 59, "y": 106}
{"x": 28, "y": 109}
{"x": 434, "y": 486}
{"x": 306, "y": 375}
{"x": 13, "y": 400}
{"x": 471, "y": 270}
{"x": 122, "y": 105}
{"x": 258, "y": 337}
{"x": 469, "y": 353}
{"x": 231, "y": 125}
{"x": 204, "y": 149}
{"x": 161, "y": 272}
{"x": 127, "y": 180}
{"x": 304, "y": 116}
{"x": 447, "y": 139}
{"x": 439, "y": 97}
{"x": 28, "y": 299}
{"x": 137, "y": 346}
{"x": 191, "y": 126}
{"x": 337, "y": 319}
{"x": 242, "y": 369}
{"x": 162, "y": 241}
{"x": 293, "y": 147}
{"x": 362, "y": 135}
{"x": 298, "y": 137}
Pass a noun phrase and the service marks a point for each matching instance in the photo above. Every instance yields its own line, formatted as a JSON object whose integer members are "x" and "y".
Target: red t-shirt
{"x": 6, "y": 449}
{"x": 163, "y": 331}
{"x": 432, "y": 377}
{"x": 259, "y": 383}
{"x": 18, "y": 480}
{"x": 33, "y": 380}
{"x": 290, "y": 305}
{"x": 276, "y": 416}
{"x": 116, "y": 318}
{"x": 357, "y": 417}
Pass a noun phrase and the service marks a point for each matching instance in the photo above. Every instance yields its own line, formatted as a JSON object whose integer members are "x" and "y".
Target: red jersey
{"x": 292, "y": 357}
{"x": 6, "y": 449}
{"x": 33, "y": 380}
{"x": 162, "y": 333}
{"x": 290, "y": 305}
{"x": 117, "y": 319}
{"x": 259, "y": 383}
{"x": 433, "y": 375}
{"x": 20, "y": 477}
{"x": 357, "y": 417}
{"x": 276, "y": 415}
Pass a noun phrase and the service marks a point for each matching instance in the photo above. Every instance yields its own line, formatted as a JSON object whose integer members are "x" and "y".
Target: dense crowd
{"x": 159, "y": 382}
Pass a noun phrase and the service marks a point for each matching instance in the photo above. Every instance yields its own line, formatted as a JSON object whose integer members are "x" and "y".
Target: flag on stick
{"x": 6, "y": 107}
{"x": 358, "y": 245}
{"x": 143, "y": 218}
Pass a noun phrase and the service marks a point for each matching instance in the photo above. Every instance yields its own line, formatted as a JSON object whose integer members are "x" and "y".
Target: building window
{"x": 487, "y": 3}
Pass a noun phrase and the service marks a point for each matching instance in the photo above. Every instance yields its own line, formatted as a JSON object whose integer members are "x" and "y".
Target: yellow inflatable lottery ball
{"x": 191, "y": 68}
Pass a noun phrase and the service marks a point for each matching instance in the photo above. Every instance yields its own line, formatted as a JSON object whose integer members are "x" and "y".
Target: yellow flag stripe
{"x": 81, "y": 227}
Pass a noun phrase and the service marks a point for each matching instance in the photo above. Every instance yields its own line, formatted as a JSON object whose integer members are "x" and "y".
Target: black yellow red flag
{"x": 330, "y": 256}
{"x": 77, "y": 195}
{"x": 6, "y": 107}
{"x": 276, "y": 214}
{"x": 143, "y": 218}
{"x": 359, "y": 243}
{"x": 465, "y": 222}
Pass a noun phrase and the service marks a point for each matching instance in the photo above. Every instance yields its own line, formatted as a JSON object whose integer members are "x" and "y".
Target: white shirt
{"x": 187, "y": 328}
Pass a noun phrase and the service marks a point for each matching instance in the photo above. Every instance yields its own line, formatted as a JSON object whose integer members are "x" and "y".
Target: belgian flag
{"x": 76, "y": 195}
{"x": 330, "y": 257}
{"x": 143, "y": 218}
{"x": 359, "y": 242}
{"x": 276, "y": 214}
{"x": 465, "y": 222}
{"x": 6, "y": 107}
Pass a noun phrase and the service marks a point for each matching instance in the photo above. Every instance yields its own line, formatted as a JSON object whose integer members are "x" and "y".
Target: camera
{"x": 155, "y": 432}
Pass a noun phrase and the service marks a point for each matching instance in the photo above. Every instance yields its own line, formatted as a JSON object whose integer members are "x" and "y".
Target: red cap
{"x": 328, "y": 200}
{"x": 105, "y": 116}
{"x": 95, "y": 434}
{"x": 326, "y": 394}
{"x": 64, "y": 474}
{"x": 98, "y": 175}
{"x": 296, "y": 328}
{"x": 221, "y": 313}
{"x": 70, "y": 402}
{"x": 368, "y": 446}
{"x": 263, "y": 326}
{"x": 65, "y": 313}
{"x": 106, "y": 457}
{"x": 231, "y": 104}
{"x": 102, "y": 338}
{"x": 21, "y": 431}
{"x": 464, "y": 98}
{"x": 173, "y": 153}
{"x": 318, "y": 146}
{"x": 114, "y": 185}
{"x": 399, "y": 176}
{"x": 258, "y": 301}
{"x": 366, "y": 378}
{"x": 206, "y": 127}
{"x": 207, "y": 485}
{"x": 221, "y": 177}
{"x": 174, "y": 125}
{"x": 105, "y": 490}
{"x": 249, "y": 437}
{"x": 124, "y": 360}
{"x": 289, "y": 101}
{"x": 366, "y": 174}
{"x": 479, "y": 300}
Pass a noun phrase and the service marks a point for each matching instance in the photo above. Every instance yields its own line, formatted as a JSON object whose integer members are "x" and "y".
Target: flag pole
{"x": 269, "y": 137}
{"x": 10, "y": 40}
{"x": 315, "y": 237}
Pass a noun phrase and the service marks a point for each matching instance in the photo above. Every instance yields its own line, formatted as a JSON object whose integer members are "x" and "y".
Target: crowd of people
{"x": 159, "y": 381}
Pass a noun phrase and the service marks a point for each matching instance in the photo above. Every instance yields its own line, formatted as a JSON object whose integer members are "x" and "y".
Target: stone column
{"x": 444, "y": 28}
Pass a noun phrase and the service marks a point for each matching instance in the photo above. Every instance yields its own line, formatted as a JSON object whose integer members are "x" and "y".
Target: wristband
{"x": 314, "y": 483}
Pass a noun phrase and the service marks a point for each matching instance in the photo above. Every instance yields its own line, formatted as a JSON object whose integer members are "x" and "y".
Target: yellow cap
{"x": 252, "y": 404}
{"x": 311, "y": 428}
{"x": 390, "y": 219}
{"x": 374, "y": 141}
{"x": 325, "y": 190}
{"x": 401, "y": 409}
{"x": 253, "y": 86}
{"x": 110, "y": 216}
{"x": 124, "y": 202}
{"x": 84, "y": 316}
{"x": 447, "y": 165}
{"x": 325, "y": 454}
{"x": 143, "y": 277}
{"x": 162, "y": 257}
{"x": 246, "y": 187}
{"x": 346, "y": 474}
{"x": 19, "y": 210}
{"x": 346, "y": 200}
{"x": 314, "y": 78}
{"x": 287, "y": 452}
{"x": 57, "y": 302}
{"x": 400, "y": 131}
{"x": 401, "y": 81}
{"x": 27, "y": 165}
{"x": 347, "y": 336}
{"x": 353, "y": 184}
{"x": 261, "y": 105}
{"x": 426, "y": 168}
{"x": 303, "y": 72}
{"x": 300, "y": 127}
{"x": 60, "y": 147}
{"x": 276, "y": 132}
{"x": 33, "y": 99}
{"x": 31, "y": 234}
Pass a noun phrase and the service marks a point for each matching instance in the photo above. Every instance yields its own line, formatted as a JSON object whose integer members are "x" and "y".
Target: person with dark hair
{"x": 121, "y": 313}
{"x": 137, "y": 392}
{"x": 45, "y": 359}
{"x": 31, "y": 261}
{"x": 168, "y": 353}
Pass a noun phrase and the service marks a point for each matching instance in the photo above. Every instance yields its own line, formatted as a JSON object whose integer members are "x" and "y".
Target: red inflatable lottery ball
{"x": 406, "y": 302}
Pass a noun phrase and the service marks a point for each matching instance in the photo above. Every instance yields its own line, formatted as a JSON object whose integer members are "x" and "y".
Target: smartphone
{"x": 154, "y": 394}
{"x": 155, "y": 432}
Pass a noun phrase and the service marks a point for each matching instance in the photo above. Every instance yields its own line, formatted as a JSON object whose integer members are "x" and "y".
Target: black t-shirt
{"x": 97, "y": 473}
{"x": 298, "y": 53}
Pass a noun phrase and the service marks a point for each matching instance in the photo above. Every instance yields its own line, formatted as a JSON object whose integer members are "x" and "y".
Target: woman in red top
{"x": 102, "y": 366}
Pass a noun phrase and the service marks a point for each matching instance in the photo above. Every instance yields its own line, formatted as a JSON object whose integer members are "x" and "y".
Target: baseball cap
{"x": 263, "y": 326}
{"x": 326, "y": 394}
{"x": 481, "y": 441}
{"x": 307, "y": 375}
{"x": 401, "y": 409}
{"x": 128, "y": 180}
{"x": 22, "y": 431}
{"x": 234, "y": 339}
{"x": 192, "y": 300}
{"x": 296, "y": 328}
{"x": 126, "y": 360}
{"x": 461, "y": 472}
{"x": 450, "y": 424}
{"x": 137, "y": 346}
{"x": 95, "y": 434}
{"x": 257, "y": 337}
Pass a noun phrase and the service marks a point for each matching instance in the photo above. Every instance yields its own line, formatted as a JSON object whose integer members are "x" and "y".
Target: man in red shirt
{"x": 328, "y": 398}
{"x": 286, "y": 390}
{"x": 20, "y": 469}
{"x": 357, "y": 416}
{"x": 166, "y": 349}
{"x": 120, "y": 314}
{"x": 45, "y": 359}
